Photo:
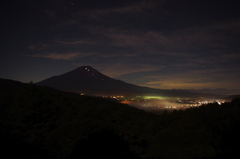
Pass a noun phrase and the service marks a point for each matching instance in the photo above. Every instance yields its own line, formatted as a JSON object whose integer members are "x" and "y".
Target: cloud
{"x": 40, "y": 46}
{"x": 229, "y": 25}
{"x": 58, "y": 56}
{"x": 109, "y": 29}
{"x": 178, "y": 43}
{"x": 119, "y": 69}
{"x": 61, "y": 14}
{"x": 107, "y": 34}
{"x": 75, "y": 42}
{"x": 116, "y": 69}
{"x": 195, "y": 79}
{"x": 129, "y": 9}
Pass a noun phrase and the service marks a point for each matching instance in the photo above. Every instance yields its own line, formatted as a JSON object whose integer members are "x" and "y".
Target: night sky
{"x": 167, "y": 44}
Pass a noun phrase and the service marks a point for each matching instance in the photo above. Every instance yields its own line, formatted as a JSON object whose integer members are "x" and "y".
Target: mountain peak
{"x": 86, "y": 72}
{"x": 85, "y": 67}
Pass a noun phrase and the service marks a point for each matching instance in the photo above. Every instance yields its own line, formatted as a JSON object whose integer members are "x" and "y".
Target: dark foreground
{"x": 39, "y": 122}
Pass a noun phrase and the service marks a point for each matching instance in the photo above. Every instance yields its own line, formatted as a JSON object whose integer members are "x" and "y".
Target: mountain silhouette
{"x": 87, "y": 80}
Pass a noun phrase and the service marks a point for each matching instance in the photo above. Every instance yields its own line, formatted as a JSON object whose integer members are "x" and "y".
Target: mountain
{"x": 219, "y": 91}
{"x": 87, "y": 80}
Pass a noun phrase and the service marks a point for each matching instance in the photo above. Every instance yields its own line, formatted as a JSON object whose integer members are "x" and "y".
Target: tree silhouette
{"x": 102, "y": 145}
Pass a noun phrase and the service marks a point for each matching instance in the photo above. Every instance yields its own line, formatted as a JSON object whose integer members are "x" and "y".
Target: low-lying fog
{"x": 159, "y": 105}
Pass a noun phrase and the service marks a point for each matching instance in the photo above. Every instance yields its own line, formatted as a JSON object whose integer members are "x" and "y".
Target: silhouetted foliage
{"x": 40, "y": 122}
{"x": 12, "y": 146}
{"x": 102, "y": 145}
{"x": 236, "y": 102}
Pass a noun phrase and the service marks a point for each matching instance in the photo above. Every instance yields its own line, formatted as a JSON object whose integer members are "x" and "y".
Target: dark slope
{"x": 40, "y": 122}
{"x": 86, "y": 79}
{"x": 50, "y": 123}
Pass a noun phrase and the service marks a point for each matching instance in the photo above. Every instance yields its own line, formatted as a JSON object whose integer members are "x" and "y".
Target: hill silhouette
{"x": 41, "y": 122}
{"x": 86, "y": 79}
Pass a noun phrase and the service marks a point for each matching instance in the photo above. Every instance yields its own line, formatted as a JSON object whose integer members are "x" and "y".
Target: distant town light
{"x": 153, "y": 97}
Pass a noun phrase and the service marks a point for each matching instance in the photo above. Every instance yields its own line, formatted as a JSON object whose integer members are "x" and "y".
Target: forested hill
{"x": 39, "y": 122}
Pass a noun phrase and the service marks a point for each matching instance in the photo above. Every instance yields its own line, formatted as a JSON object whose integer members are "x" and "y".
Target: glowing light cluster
{"x": 153, "y": 97}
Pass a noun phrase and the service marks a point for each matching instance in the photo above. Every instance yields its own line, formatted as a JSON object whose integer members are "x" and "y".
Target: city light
{"x": 159, "y": 102}
{"x": 152, "y": 97}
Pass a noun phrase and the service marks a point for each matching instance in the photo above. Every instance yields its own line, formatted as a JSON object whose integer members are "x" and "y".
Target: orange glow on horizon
{"x": 127, "y": 102}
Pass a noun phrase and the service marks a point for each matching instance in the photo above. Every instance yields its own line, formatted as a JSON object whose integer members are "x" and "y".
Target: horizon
{"x": 204, "y": 90}
{"x": 222, "y": 91}
{"x": 157, "y": 44}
